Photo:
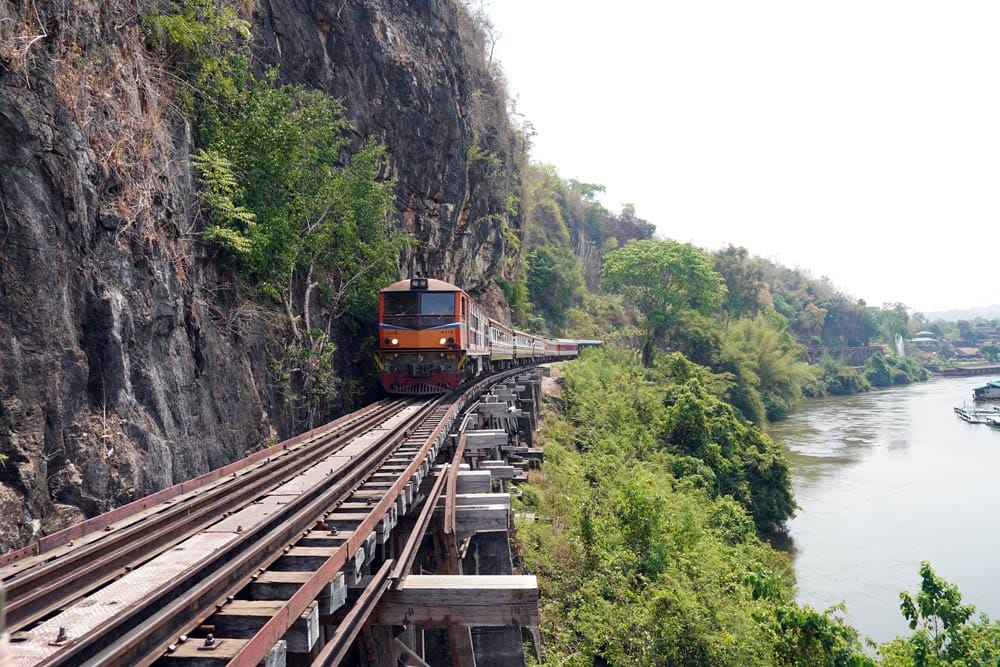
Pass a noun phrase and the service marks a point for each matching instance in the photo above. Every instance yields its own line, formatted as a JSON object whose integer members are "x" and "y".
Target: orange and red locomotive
{"x": 433, "y": 336}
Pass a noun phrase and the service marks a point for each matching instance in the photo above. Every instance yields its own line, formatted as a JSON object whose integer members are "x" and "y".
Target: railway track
{"x": 155, "y": 583}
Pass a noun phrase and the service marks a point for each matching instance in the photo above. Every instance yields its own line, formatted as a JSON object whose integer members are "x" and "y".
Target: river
{"x": 885, "y": 480}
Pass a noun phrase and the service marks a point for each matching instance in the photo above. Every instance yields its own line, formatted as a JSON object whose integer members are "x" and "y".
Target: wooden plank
{"x": 194, "y": 653}
{"x": 303, "y": 559}
{"x": 496, "y": 410}
{"x": 478, "y": 518}
{"x": 446, "y": 600}
{"x": 243, "y": 618}
{"x": 500, "y": 472}
{"x": 470, "y": 499}
{"x": 474, "y": 481}
{"x": 334, "y": 596}
{"x": 486, "y": 439}
{"x": 273, "y": 585}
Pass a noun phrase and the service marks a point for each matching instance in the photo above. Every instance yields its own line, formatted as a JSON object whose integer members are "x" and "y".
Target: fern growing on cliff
{"x": 231, "y": 226}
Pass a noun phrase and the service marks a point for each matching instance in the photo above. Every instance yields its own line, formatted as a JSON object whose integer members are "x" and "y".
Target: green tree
{"x": 745, "y": 463}
{"x": 320, "y": 226}
{"x": 944, "y": 630}
{"x": 554, "y": 282}
{"x": 893, "y": 320}
{"x": 770, "y": 362}
{"x": 746, "y": 292}
{"x": 663, "y": 279}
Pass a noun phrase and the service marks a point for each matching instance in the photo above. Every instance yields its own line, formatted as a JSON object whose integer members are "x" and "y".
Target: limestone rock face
{"x": 129, "y": 360}
{"x": 412, "y": 74}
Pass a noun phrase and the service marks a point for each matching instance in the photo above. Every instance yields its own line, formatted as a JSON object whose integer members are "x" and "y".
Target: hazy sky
{"x": 857, "y": 139}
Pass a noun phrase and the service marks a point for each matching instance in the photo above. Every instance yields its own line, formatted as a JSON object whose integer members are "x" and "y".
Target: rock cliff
{"x": 129, "y": 360}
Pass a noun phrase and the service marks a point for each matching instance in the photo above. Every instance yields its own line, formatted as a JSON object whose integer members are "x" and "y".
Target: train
{"x": 433, "y": 336}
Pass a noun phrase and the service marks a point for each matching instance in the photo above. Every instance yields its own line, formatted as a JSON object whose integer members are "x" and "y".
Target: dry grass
{"x": 21, "y": 29}
{"x": 115, "y": 100}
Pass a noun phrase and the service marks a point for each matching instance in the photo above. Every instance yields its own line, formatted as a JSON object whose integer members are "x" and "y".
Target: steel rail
{"x": 333, "y": 653}
{"x": 37, "y": 592}
{"x": 260, "y": 644}
{"x": 141, "y": 634}
{"x": 404, "y": 562}
{"x": 66, "y": 536}
{"x": 257, "y": 648}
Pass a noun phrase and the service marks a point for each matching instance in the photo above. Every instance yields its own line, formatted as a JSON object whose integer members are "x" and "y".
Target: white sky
{"x": 857, "y": 139}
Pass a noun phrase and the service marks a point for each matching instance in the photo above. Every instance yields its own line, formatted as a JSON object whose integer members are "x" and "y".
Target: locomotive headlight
{"x": 442, "y": 341}
{"x": 451, "y": 341}
{"x": 395, "y": 341}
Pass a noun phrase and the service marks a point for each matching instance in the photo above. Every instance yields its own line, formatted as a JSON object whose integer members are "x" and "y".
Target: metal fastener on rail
{"x": 61, "y": 637}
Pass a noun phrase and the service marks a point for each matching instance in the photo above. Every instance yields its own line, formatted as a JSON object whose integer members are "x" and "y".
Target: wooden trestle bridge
{"x": 362, "y": 542}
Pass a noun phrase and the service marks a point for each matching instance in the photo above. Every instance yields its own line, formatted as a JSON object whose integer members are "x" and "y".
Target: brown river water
{"x": 883, "y": 481}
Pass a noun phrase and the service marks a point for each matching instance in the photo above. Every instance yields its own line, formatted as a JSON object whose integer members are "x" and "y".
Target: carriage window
{"x": 401, "y": 303}
{"x": 437, "y": 303}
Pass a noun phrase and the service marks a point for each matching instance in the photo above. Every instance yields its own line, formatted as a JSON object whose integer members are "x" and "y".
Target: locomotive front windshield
{"x": 419, "y": 310}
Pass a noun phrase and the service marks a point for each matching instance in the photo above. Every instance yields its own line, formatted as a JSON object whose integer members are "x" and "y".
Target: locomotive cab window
{"x": 437, "y": 303}
{"x": 401, "y": 303}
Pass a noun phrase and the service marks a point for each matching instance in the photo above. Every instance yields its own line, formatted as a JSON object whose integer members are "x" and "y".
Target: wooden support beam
{"x": 497, "y": 410}
{"x": 474, "y": 481}
{"x": 485, "y": 439}
{"x": 439, "y": 600}
{"x": 470, "y": 499}
{"x": 334, "y": 596}
{"x": 194, "y": 653}
{"x": 414, "y": 658}
{"x": 499, "y": 471}
{"x": 272, "y": 585}
{"x": 243, "y": 618}
{"x": 478, "y": 518}
{"x": 303, "y": 559}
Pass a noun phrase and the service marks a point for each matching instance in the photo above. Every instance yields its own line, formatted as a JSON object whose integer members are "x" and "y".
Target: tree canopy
{"x": 664, "y": 279}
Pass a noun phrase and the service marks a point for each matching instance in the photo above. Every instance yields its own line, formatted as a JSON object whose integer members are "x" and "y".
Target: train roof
{"x": 433, "y": 285}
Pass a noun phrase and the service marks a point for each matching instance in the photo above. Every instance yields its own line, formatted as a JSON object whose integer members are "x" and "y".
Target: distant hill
{"x": 987, "y": 312}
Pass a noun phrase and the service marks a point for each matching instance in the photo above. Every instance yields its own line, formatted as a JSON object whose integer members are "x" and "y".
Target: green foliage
{"x": 808, "y": 637}
{"x": 306, "y": 378}
{"x": 746, "y": 292}
{"x": 554, "y": 282}
{"x": 299, "y": 218}
{"x": 663, "y": 279}
{"x": 478, "y": 154}
{"x": 281, "y": 200}
{"x": 233, "y": 227}
{"x": 944, "y": 632}
{"x": 746, "y": 464}
{"x": 886, "y": 371}
{"x": 817, "y": 313}
{"x": 516, "y": 294}
{"x": 640, "y": 560}
{"x": 207, "y": 44}
{"x": 766, "y": 358}
{"x": 834, "y": 378}
{"x": 603, "y": 317}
